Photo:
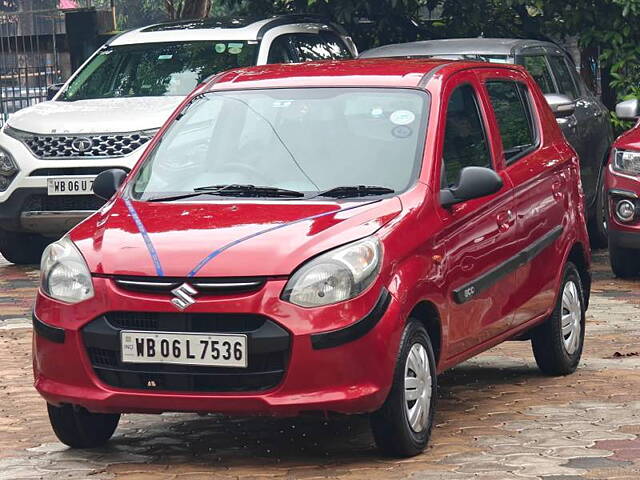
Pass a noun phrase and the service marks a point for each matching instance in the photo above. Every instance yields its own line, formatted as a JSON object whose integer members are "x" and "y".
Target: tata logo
{"x": 183, "y": 296}
{"x": 82, "y": 144}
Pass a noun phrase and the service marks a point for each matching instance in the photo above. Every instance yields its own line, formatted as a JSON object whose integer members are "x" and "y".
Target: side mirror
{"x": 474, "y": 182}
{"x": 107, "y": 183}
{"x": 628, "y": 110}
{"x": 561, "y": 105}
{"x": 52, "y": 90}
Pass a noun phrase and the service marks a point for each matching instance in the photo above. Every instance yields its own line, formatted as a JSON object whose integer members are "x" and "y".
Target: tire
{"x": 625, "y": 262}
{"x": 559, "y": 353}
{"x": 79, "y": 428}
{"x": 598, "y": 235}
{"x": 391, "y": 426}
{"x": 22, "y": 248}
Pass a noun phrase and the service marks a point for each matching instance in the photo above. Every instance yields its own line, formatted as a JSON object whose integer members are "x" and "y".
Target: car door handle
{"x": 505, "y": 220}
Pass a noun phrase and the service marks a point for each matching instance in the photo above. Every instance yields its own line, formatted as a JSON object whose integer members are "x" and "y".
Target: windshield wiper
{"x": 235, "y": 190}
{"x": 231, "y": 190}
{"x": 355, "y": 191}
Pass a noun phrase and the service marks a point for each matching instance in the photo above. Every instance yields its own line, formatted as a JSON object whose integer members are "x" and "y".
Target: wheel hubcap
{"x": 571, "y": 317}
{"x": 417, "y": 387}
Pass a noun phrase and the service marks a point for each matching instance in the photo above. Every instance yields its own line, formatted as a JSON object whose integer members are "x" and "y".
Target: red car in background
{"x": 623, "y": 187}
{"x": 319, "y": 237}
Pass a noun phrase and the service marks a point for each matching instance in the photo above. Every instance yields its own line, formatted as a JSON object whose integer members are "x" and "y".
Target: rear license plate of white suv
{"x": 70, "y": 185}
{"x": 184, "y": 348}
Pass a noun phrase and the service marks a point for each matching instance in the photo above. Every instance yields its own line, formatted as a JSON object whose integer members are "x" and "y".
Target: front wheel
{"x": 22, "y": 248}
{"x": 79, "y": 428}
{"x": 558, "y": 342}
{"x": 403, "y": 424}
{"x": 625, "y": 262}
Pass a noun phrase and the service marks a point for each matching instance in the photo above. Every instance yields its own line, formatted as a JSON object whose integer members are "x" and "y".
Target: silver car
{"x": 582, "y": 116}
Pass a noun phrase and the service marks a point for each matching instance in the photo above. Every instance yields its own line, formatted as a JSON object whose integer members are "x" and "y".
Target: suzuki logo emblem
{"x": 82, "y": 144}
{"x": 183, "y": 296}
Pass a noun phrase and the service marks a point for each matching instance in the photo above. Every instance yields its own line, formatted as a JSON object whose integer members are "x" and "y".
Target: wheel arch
{"x": 578, "y": 256}
{"x": 427, "y": 313}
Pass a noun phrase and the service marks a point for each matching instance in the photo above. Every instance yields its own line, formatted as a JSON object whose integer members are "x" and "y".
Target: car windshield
{"x": 156, "y": 69}
{"x": 309, "y": 140}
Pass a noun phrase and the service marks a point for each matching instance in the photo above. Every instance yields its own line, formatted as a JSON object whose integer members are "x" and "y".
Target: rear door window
{"x": 335, "y": 45}
{"x": 310, "y": 47}
{"x": 510, "y": 102}
{"x": 563, "y": 77}
{"x": 465, "y": 140}
{"x": 280, "y": 50}
{"x": 537, "y": 66}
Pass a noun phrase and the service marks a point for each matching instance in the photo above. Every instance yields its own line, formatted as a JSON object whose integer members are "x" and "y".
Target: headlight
{"x": 8, "y": 165}
{"x": 626, "y": 161}
{"x": 335, "y": 276}
{"x": 64, "y": 274}
{"x": 8, "y": 169}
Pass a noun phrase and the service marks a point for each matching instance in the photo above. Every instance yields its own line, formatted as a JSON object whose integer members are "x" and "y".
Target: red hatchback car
{"x": 623, "y": 186}
{"x": 319, "y": 237}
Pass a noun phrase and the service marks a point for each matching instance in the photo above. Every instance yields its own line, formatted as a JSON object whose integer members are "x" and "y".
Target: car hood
{"x": 223, "y": 239}
{"x": 105, "y": 115}
{"x": 630, "y": 139}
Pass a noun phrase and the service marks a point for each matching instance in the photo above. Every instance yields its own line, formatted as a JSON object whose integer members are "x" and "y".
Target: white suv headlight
{"x": 64, "y": 274}
{"x": 626, "y": 161}
{"x": 335, "y": 276}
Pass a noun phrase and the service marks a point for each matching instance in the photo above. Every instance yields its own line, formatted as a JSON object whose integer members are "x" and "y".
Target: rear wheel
{"x": 403, "y": 425}
{"x": 558, "y": 342}
{"x": 598, "y": 225}
{"x": 79, "y": 428}
{"x": 625, "y": 262}
{"x": 22, "y": 248}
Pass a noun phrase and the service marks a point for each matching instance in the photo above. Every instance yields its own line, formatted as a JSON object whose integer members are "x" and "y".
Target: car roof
{"x": 379, "y": 72}
{"x": 463, "y": 46}
{"x": 215, "y": 29}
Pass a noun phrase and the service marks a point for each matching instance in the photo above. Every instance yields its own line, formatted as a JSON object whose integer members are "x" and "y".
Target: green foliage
{"x": 612, "y": 27}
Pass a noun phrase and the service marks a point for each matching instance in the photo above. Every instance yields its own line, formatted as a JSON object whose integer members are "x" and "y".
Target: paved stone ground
{"x": 498, "y": 418}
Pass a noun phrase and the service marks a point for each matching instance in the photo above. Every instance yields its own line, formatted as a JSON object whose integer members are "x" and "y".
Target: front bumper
{"x": 25, "y": 205}
{"x": 619, "y": 187}
{"x": 31, "y": 210}
{"x": 344, "y": 372}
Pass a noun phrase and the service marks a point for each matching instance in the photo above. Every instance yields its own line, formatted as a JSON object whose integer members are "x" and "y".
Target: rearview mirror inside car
{"x": 108, "y": 182}
{"x": 628, "y": 110}
{"x": 561, "y": 105}
{"x": 52, "y": 90}
{"x": 474, "y": 182}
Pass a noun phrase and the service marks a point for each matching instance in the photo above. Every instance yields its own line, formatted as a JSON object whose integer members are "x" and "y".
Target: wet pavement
{"x": 498, "y": 417}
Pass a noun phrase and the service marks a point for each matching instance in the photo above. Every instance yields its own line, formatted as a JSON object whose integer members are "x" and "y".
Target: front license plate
{"x": 184, "y": 348}
{"x": 70, "y": 185}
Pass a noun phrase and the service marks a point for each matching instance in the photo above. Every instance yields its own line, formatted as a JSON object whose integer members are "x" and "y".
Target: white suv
{"x": 112, "y": 106}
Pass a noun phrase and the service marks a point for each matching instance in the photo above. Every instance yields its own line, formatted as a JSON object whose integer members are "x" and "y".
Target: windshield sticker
{"x": 401, "y": 131}
{"x": 402, "y": 117}
{"x": 234, "y": 48}
{"x": 282, "y": 103}
{"x": 377, "y": 112}
{"x": 220, "y": 47}
{"x": 165, "y": 57}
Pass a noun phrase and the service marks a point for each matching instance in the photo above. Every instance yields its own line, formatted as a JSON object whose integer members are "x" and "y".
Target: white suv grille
{"x": 109, "y": 145}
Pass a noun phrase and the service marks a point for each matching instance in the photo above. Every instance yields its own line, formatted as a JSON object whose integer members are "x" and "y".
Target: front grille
{"x": 267, "y": 343}
{"x": 61, "y": 203}
{"x": 51, "y": 172}
{"x": 211, "y": 286}
{"x": 109, "y": 145}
